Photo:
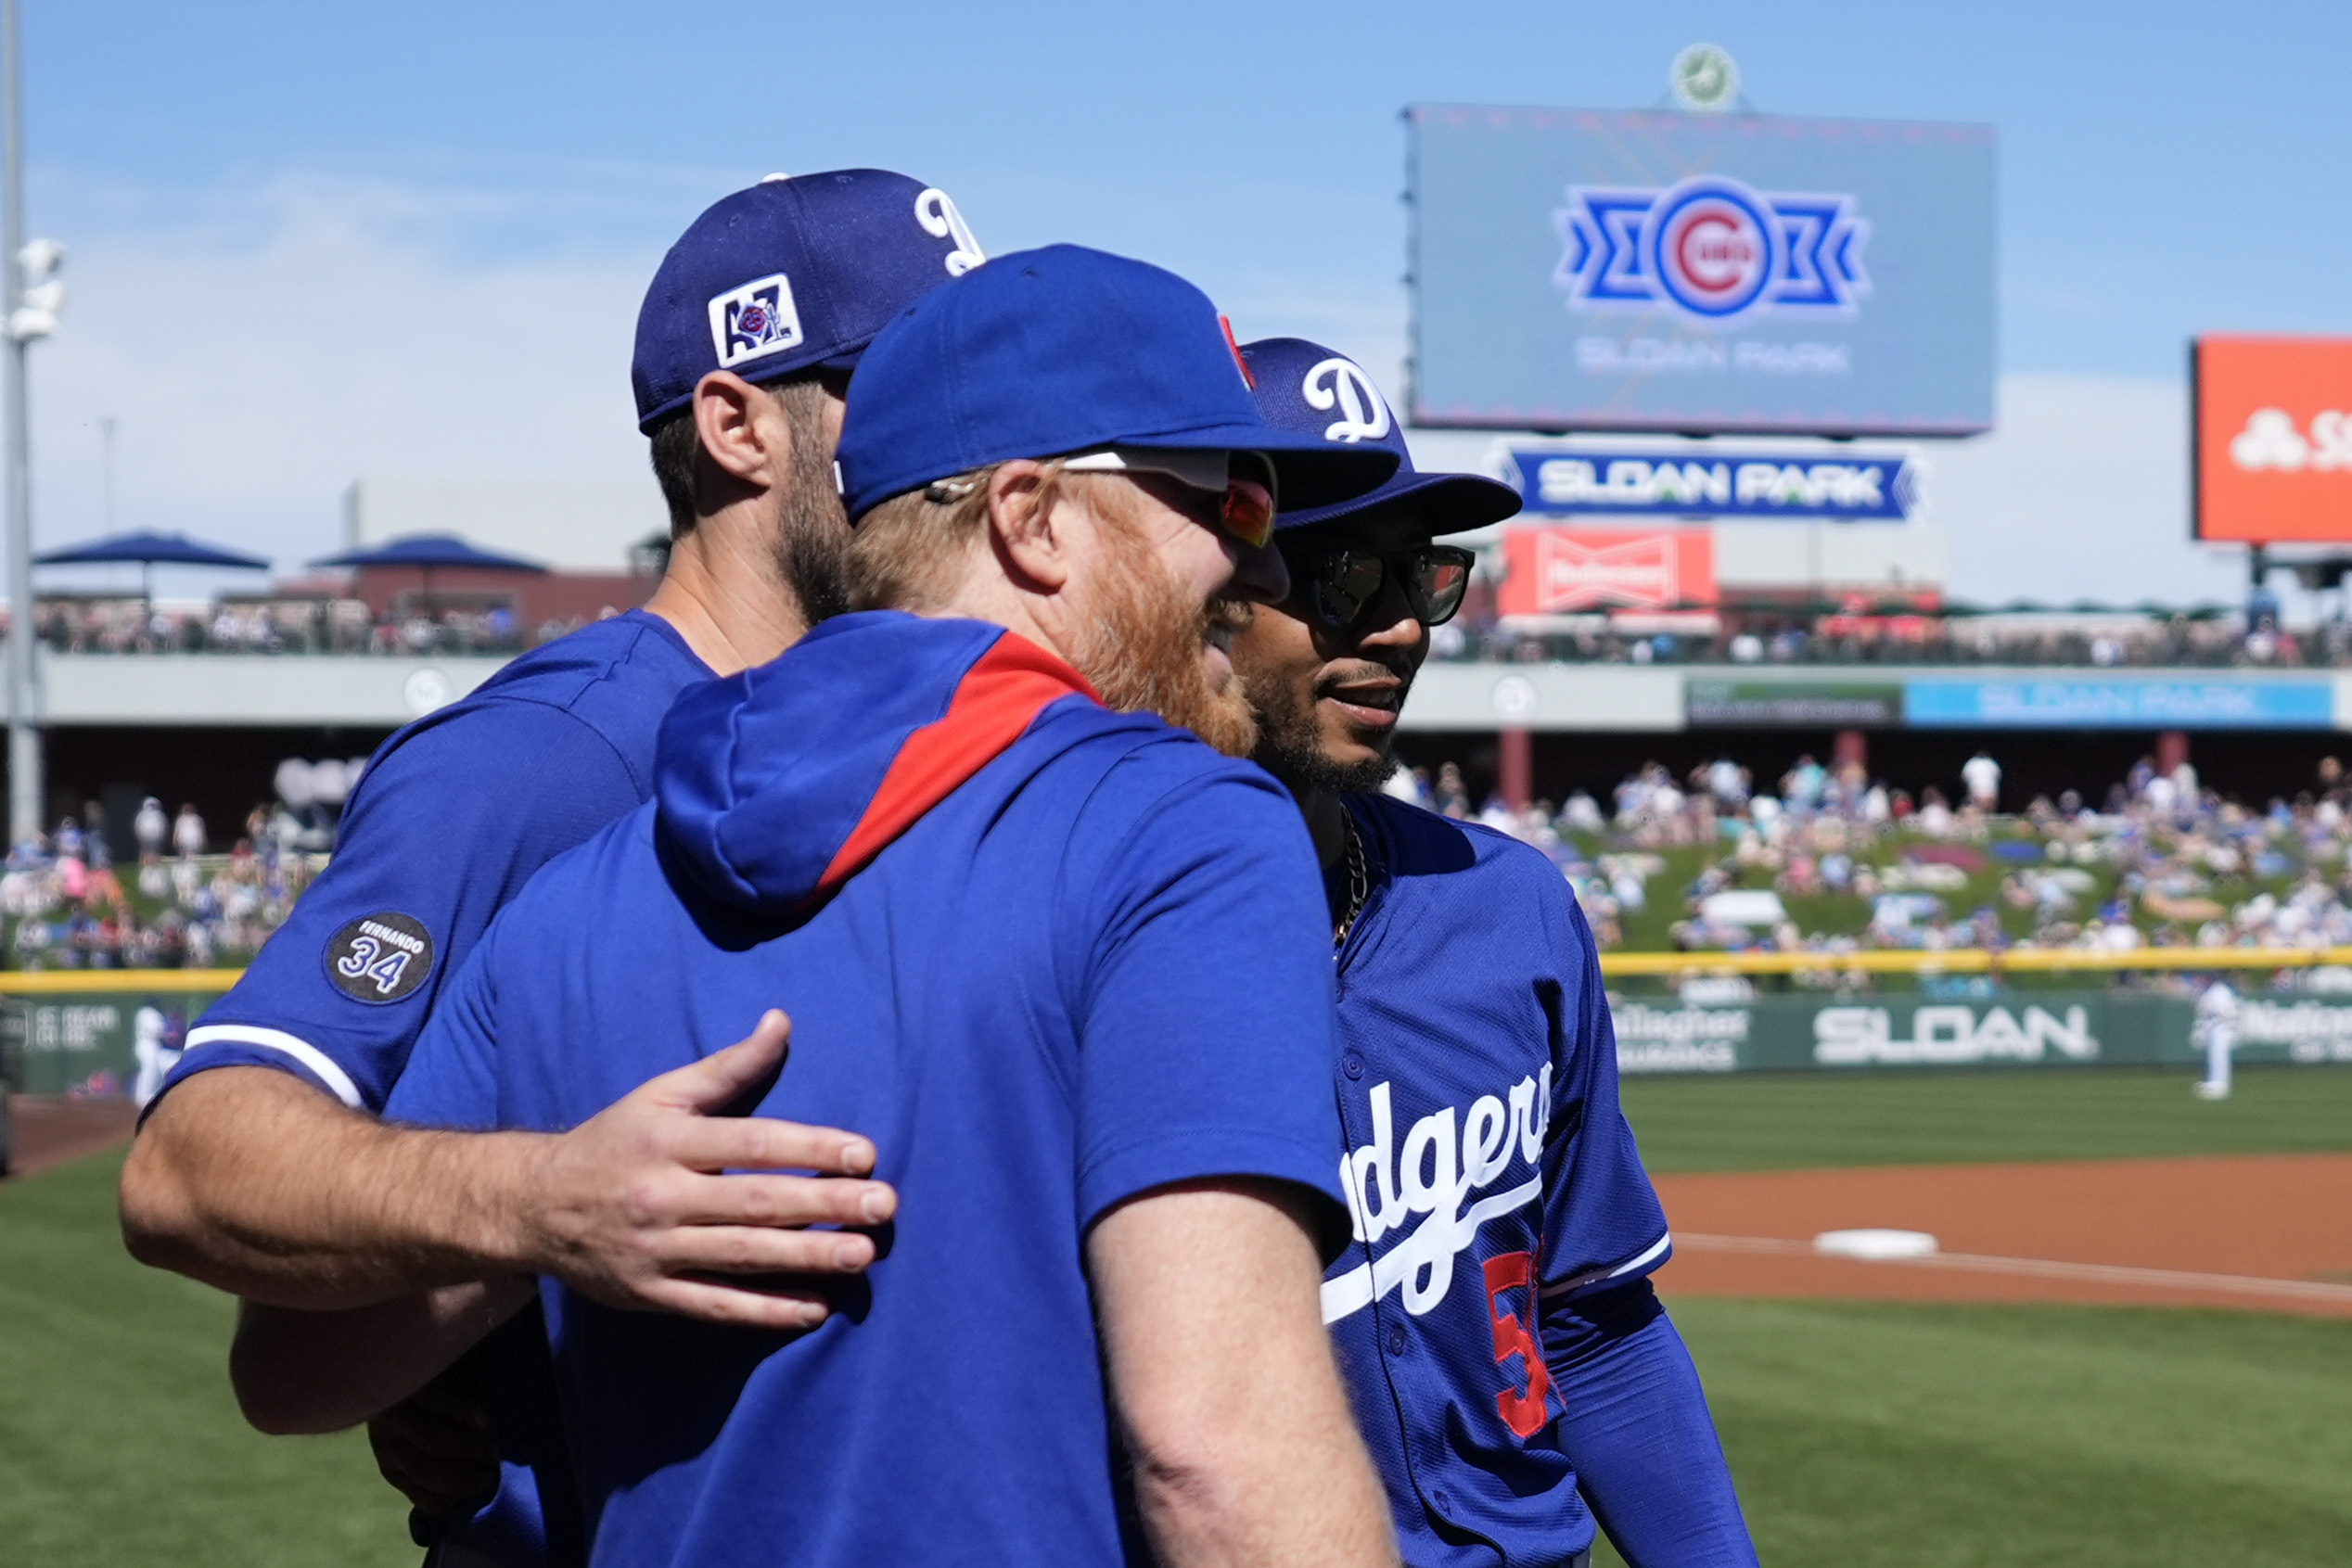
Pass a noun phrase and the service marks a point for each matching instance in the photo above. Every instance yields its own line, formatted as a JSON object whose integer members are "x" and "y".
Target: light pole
{"x": 33, "y": 297}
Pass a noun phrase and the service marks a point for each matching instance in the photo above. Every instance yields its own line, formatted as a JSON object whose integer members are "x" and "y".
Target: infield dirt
{"x": 2264, "y": 1232}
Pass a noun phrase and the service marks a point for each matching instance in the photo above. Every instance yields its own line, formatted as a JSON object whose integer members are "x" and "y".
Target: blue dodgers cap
{"x": 1310, "y": 390}
{"x": 789, "y": 276}
{"x": 1047, "y": 352}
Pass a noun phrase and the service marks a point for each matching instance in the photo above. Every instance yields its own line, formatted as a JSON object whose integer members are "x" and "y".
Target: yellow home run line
{"x": 1956, "y": 961}
{"x": 1971, "y": 960}
{"x": 2041, "y": 1267}
{"x": 65, "y": 982}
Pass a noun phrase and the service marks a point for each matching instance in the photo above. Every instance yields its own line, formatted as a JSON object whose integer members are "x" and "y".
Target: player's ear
{"x": 730, "y": 420}
{"x": 1024, "y": 530}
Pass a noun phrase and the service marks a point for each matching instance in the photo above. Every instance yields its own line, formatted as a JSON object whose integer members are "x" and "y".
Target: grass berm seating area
{"x": 1861, "y": 1435}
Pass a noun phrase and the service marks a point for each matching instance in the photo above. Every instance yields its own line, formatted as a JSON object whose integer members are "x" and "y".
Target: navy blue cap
{"x": 1048, "y": 352}
{"x": 790, "y": 276}
{"x": 1307, "y": 389}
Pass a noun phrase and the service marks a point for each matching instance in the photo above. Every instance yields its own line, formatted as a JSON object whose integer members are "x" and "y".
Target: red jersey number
{"x": 1522, "y": 1410}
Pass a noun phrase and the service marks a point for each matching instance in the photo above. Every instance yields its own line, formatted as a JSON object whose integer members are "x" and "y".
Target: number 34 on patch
{"x": 380, "y": 958}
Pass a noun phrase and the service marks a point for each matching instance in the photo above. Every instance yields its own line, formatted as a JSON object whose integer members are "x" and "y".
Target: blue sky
{"x": 313, "y": 241}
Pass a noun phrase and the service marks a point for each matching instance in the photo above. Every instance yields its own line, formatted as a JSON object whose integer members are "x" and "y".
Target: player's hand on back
{"x": 631, "y": 1207}
{"x": 436, "y": 1447}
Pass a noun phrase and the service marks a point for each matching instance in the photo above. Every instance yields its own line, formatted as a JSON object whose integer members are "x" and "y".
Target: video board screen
{"x": 1588, "y": 269}
{"x": 2273, "y": 439}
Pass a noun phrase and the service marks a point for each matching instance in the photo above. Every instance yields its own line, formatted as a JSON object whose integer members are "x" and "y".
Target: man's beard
{"x": 812, "y": 550}
{"x": 1144, "y": 654}
{"x": 1290, "y": 744}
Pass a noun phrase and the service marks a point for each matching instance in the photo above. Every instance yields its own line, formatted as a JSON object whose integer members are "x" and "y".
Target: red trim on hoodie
{"x": 995, "y": 703}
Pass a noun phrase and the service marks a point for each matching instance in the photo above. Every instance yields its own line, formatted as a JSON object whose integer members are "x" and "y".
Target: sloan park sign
{"x": 1662, "y": 1035}
{"x": 1688, "y": 483}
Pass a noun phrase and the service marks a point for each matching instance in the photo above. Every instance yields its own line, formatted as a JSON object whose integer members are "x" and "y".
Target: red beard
{"x": 1144, "y": 654}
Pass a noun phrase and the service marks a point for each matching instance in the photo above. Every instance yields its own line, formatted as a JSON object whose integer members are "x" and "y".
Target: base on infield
{"x": 1875, "y": 1246}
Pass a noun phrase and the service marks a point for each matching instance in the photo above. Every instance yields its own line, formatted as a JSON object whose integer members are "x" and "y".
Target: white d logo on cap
{"x": 1362, "y": 414}
{"x": 939, "y": 219}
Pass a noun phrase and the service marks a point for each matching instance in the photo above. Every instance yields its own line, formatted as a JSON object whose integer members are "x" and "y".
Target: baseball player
{"x": 1513, "y": 1373}
{"x": 2217, "y": 1026}
{"x": 262, "y": 1168}
{"x": 1063, "y": 961}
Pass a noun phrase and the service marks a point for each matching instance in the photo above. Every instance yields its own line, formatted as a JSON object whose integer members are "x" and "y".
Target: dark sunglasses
{"x": 1338, "y": 585}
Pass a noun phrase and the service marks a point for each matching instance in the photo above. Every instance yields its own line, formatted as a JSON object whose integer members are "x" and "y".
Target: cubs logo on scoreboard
{"x": 2273, "y": 439}
{"x": 1578, "y": 270}
{"x": 1712, "y": 250}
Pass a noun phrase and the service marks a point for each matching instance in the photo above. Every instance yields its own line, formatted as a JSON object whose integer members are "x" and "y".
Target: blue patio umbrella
{"x": 148, "y": 548}
{"x": 428, "y": 551}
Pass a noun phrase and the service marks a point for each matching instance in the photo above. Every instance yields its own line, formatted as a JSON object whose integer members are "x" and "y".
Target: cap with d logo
{"x": 790, "y": 276}
{"x": 1310, "y": 390}
{"x": 1047, "y": 352}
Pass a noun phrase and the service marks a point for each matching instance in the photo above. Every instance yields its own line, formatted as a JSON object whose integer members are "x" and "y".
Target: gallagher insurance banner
{"x": 1587, "y": 269}
{"x": 2273, "y": 439}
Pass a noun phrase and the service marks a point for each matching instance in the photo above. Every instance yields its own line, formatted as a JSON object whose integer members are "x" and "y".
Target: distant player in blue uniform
{"x": 264, "y": 1170}
{"x": 1513, "y": 1373}
{"x": 1063, "y": 961}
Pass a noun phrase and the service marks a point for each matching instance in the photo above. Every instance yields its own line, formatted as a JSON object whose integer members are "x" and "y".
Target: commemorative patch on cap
{"x": 755, "y": 320}
{"x": 380, "y": 958}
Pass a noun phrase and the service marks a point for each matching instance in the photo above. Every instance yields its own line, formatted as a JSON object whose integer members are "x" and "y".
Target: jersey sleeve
{"x": 1601, "y": 1220}
{"x": 447, "y": 824}
{"x": 451, "y": 1078}
{"x": 1205, "y": 1024}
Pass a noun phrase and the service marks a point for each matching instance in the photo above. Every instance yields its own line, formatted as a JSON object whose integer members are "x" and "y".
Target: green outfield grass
{"x": 1778, "y": 1121}
{"x": 119, "y": 1446}
{"x": 1903, "y": 1434}
{"x": 1919, "y": 1437}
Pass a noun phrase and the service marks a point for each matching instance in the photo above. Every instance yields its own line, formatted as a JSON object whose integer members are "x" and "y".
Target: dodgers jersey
{"x": 1046, "y": 956}
{"x": 453, "y": 815}
{"x": 1489, "y": 1175}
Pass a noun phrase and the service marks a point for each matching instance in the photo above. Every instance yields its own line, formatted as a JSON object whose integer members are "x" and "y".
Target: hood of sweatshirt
{"x": 775, "y": 787}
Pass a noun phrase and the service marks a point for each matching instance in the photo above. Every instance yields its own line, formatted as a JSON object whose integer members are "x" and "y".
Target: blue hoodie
{"x": 1047, "y": 956}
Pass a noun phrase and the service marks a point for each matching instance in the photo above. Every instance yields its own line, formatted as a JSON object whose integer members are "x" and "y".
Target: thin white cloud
{"x": 258, "y": 359}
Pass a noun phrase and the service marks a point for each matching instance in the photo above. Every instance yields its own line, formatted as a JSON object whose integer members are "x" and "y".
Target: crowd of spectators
{"x": 287, "y": 626}
{"x": 67, "y": 904}
{"x": 1860, "y": 635}
{"x": 1831, "y": 860}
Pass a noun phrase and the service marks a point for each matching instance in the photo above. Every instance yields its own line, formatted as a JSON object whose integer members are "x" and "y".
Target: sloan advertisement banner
{"x": 2012, "y": 1030}
{"x": 1692, "y": 483}
{"x": 1940, "y": 702}
{"x": 1565, "y": 571}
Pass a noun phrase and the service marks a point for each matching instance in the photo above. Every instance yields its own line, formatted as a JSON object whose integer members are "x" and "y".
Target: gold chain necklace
{"x": 1359, "y": 884}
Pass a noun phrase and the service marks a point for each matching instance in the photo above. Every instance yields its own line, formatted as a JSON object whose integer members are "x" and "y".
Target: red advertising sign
{"x": 2273, "y": 430}
{"x": 1565, "y": 570}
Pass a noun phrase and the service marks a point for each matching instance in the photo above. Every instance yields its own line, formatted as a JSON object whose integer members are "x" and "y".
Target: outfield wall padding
{"x": 84, "y": 1043}
{"x": 1864, "y": 1031}
{"x": 82, "y": 1040}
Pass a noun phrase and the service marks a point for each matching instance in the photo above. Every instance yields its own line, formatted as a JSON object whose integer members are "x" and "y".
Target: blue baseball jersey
{"x": 453, "y": 814}
{"x": 1489, "y": 1175}
{"x": 1048, "y": 957}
